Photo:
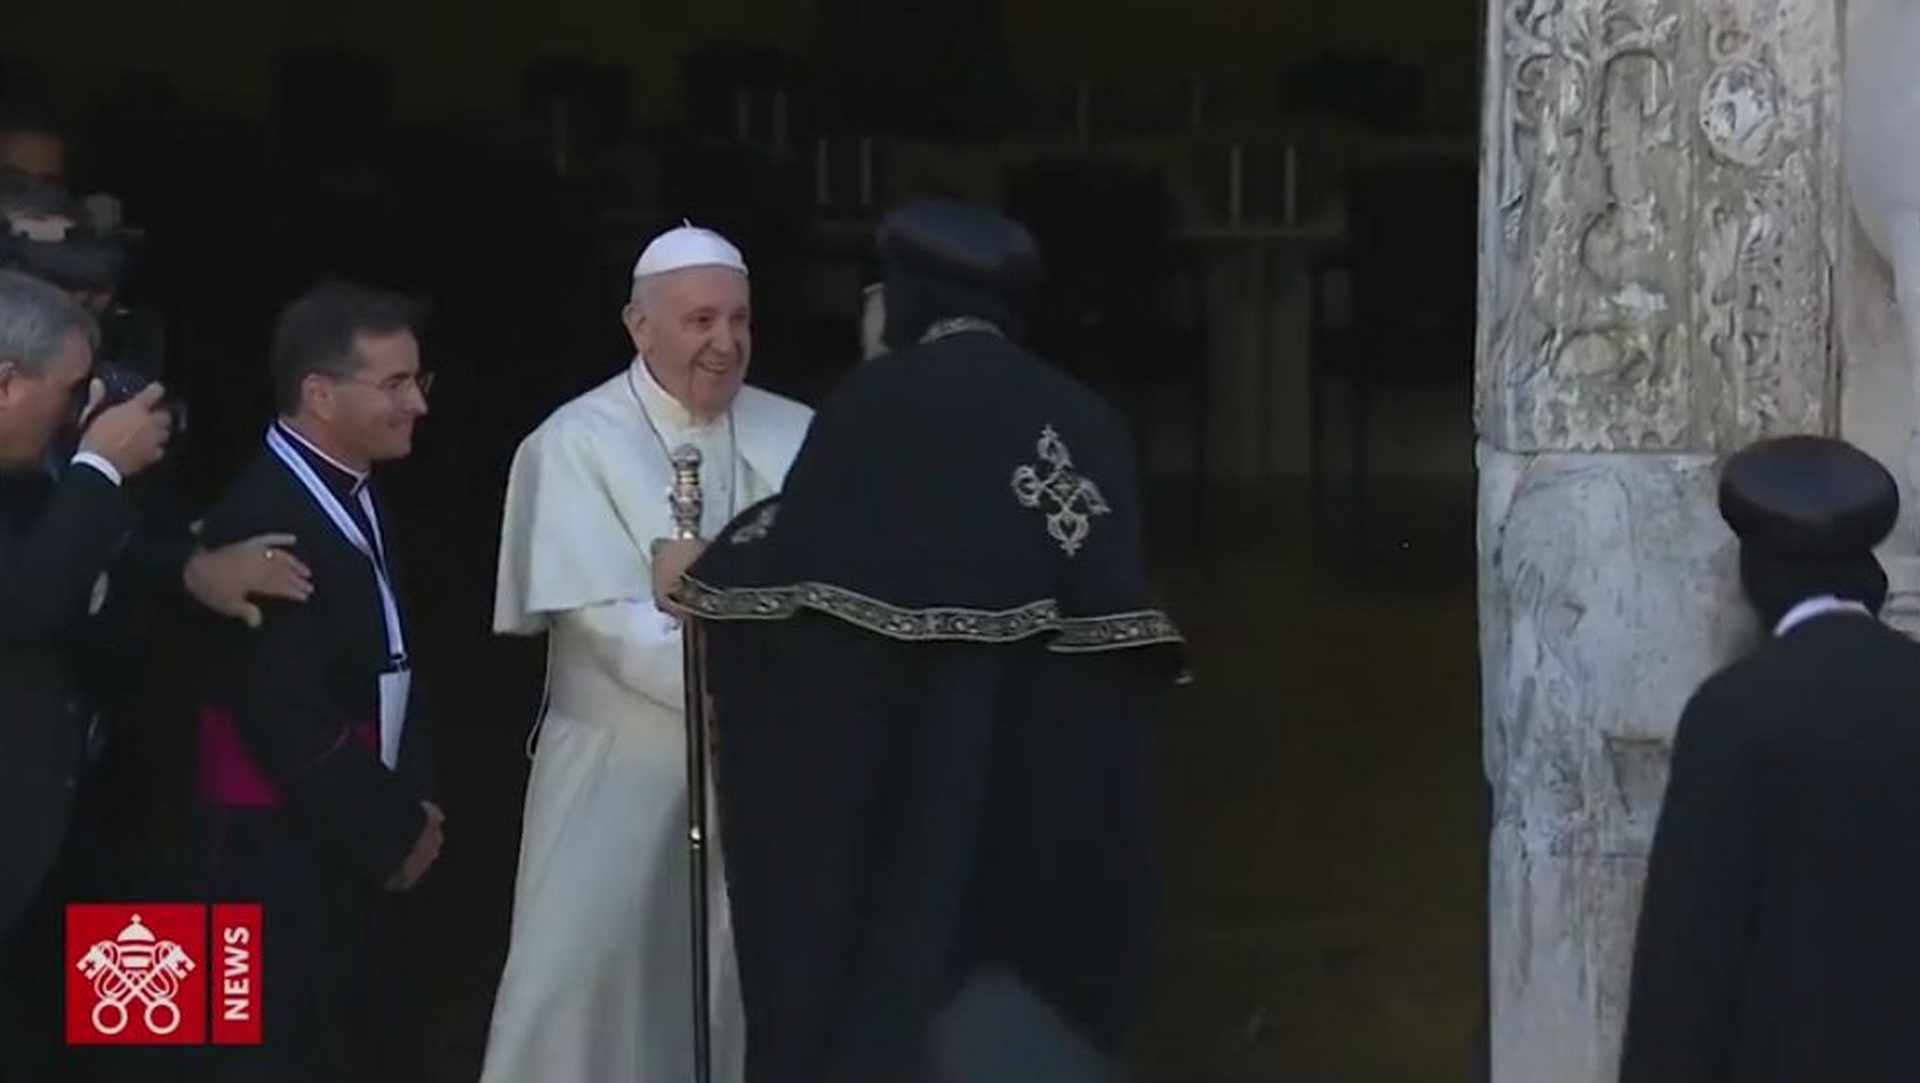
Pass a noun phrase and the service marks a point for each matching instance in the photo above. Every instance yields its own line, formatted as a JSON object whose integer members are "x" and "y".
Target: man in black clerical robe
{"x": 935, "y": 671}
{"x": 1779, "y": 937}
{"x": 314, "y": 764}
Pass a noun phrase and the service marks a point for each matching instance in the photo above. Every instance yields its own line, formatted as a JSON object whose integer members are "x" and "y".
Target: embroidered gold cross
{"x": 1069, "y": 500}
{"x": 760, "y": 527}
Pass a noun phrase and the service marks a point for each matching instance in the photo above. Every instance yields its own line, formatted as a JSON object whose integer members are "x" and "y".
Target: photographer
{"x": 90, "y": 567}
{"x": 56, "y": 542}
{"x": 133, "y": 690}
{"x": 43, "y": 238}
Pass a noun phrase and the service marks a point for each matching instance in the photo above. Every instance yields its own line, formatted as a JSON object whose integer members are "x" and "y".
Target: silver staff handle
{"x": 688, "y": 506}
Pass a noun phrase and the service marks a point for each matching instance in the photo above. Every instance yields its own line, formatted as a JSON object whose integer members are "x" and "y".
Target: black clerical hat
{"x": 1808, "y": 496}
{"x": 964, "y": 243}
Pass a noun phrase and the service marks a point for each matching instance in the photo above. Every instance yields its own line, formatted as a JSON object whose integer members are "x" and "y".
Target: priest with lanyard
{"x": 314, "y": 764}
{"x": 1778, "y": 938}
{"x": 598, "y": 975}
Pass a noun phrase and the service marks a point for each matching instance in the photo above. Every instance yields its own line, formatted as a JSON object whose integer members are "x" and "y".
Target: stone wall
{"x": 1661, "y": 213}
{"x": 1877, "y": 374}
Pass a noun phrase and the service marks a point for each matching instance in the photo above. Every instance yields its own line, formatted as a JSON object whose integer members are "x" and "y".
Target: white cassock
{"x": 598, "y": 976}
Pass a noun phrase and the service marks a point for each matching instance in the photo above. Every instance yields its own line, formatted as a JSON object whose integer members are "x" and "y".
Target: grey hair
{"x": 35, "y": 319}
{"x": 644, "y": 289}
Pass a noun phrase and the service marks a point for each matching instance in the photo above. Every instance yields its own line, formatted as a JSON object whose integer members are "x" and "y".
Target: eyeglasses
{"x": 396, "y": 385}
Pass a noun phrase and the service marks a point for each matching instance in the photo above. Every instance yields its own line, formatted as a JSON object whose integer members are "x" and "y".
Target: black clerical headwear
{"x": 1808, "y": 511}
{"x": 944, "y": 260}
{"x": 1811, "y": 497}
{"x": 964, "y": 243}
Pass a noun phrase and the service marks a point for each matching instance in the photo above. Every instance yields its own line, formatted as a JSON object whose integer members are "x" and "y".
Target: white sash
{"x": 396, "y": 679}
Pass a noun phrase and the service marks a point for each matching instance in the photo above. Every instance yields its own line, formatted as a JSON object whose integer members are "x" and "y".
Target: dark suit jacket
{"x": 47, "y": 575}
{"x": 1779, "y": 934}
{"x": 298, "y": 685}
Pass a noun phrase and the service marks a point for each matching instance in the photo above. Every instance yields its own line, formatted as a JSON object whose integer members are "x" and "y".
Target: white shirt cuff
{"x": 98, "y": 462}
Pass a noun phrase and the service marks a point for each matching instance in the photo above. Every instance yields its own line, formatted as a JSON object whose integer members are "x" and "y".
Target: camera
{"x": 91, "y": 266}
{"x": 121, "y": 382}
{"x": 79, "y": 262}
{"x": 51, "y": 236}
{"x": 118, "y": 383}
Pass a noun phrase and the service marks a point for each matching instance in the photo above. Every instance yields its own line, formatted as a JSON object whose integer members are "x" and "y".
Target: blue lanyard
{"x": 343, "y": 522}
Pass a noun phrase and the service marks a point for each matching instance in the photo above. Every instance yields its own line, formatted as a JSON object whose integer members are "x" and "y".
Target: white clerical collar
{"x": 359, "y": 476}
{"x": 1817, "y": 607}
{"x": 660, "y": 403}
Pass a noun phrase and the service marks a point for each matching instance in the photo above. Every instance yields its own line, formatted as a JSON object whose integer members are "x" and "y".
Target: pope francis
{"x": 598, "y": 975}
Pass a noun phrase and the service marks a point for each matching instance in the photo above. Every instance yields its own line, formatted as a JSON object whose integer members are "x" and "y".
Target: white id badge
{"x": 394, "y": 689}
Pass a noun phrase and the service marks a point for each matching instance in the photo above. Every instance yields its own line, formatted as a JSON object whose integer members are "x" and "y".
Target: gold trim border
{"x": 1071, "y": 635}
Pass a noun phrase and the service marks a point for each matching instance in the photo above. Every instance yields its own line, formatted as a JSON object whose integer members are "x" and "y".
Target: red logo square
{"x": 136, "y": 974}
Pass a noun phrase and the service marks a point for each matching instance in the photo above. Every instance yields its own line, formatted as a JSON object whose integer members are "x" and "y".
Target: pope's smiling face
{"x": 693, "y": 328}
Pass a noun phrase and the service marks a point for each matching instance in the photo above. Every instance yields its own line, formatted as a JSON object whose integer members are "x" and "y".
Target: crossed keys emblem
{"x": 1069, "y": 500}
{"x": 133, "y": 966}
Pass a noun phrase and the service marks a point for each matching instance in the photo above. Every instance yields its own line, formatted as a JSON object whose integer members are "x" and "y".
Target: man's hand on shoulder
{"x": 228, "y": 579}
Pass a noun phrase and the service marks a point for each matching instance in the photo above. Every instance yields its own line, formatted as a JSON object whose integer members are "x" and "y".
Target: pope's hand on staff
{"x": 671, "y": 559}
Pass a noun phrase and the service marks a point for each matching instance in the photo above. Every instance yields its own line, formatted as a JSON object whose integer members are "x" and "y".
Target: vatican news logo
{"x": 141, "y": 974}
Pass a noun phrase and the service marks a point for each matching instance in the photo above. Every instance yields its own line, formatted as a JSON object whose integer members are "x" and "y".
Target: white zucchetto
{"x": 686, "y": 246}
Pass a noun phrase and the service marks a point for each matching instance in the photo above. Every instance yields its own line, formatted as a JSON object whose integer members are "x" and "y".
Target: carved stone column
{"x": 1660, "y": 207}
{"x": 1880, "y": 372}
